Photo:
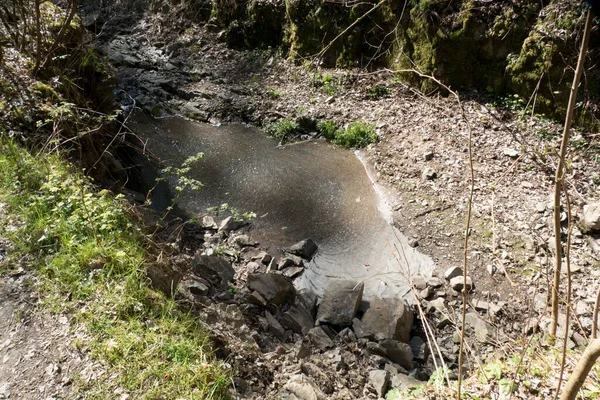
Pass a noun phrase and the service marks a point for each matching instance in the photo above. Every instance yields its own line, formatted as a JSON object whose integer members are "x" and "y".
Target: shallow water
{"x": 302, "y": 190}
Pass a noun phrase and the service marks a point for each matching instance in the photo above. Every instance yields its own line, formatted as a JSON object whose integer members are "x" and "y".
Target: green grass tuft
{"x": 357, "y": 134}
{"x": 282, "y": 128}
{"x": 88, "y": 248}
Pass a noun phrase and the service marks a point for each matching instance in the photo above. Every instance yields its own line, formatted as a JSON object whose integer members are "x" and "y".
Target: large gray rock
{"x": 214, "y": 269}
{"x": 230, "y": 224}
{"x": 274, "y": 288}
{"x": 379, "y": 379}
{"x": 319, "y": 339}
{"x": 389, "y": 319}
{"x": 305, "y": 248}
{"x": 398, "y": 352}
{"x": 304, "y": 388}
{"x": 340, "y": 302}
{"x": 298, "y": 319}
{"x": 591, "y": 216}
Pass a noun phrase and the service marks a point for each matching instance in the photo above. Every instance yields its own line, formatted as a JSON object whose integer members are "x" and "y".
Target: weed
{"x": 378, "y": 91}
{"x": 357, "y": 134}
{"x": 282, "y": 128}
{"x": 274, "y": 93}
{"x": 234, "y": 212}
{"x": 327, "y": 129}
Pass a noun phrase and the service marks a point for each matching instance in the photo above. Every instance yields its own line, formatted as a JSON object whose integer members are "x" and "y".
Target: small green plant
{"x": 327, "y": 129}
{"x": 282, "y": 128}
{"x": 378, "y": 91}
{"x": 357, "y": 134}
{"x": 182, "y": 180}
{"x": 234, "y": 212}
{"x": 274, "y": 93}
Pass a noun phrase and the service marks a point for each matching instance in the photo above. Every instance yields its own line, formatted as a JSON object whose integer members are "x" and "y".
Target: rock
{"x": 434, "y": 282}
{"x": 319, "y": 339}
{"x": 263, "y": 257}
{"x": 426, "y": 293}
{"x": 379, "y": 379}
{"x": 308, "y": 299}
{"x": 305, "y": 248}
{"x": 458, "y": 282}
{"x": 275, "y": 327}
{"x": 413, "y": 242}
{"x": 191, "y": 287}
{"x": 304, "y": 388}
{"x": 243, "y": 240}
{"x": 419, "y": 282}
{"x": 453, "y": 272}
{"x": 398, "y": 352}
{"x": 303, "y": 350}
{"x": 347, "y": 336}
{"x": 402, "y": 382}
{"x": 591, "y": 216}
{"x": 340, "y": 302}
{"x": 512, "y": 153}
{"x": 208, "y": 222}
{"x": 290, "y": 261}
{"x": 274, "y": 288}
{"x": 419, "y": 348}
{"x": 428, "y": 174}
{"x": 360, "y": 330}
{"x": 229, "y": 224}
{"x": 297, "y": 319}
{"x": 214, "y": 269}
{"x": 293, "y": 272}
{"x": 482, "y": 329}
{"x": 428, "y": 155}
{"x": 162, "y": 277}
{"x": 256, "y": 299}
{"x": 389, "y": 318}
{"x": 318, "y": 375}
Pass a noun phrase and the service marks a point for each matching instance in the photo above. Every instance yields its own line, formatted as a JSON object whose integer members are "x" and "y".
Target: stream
{"x": 309, "y": 189}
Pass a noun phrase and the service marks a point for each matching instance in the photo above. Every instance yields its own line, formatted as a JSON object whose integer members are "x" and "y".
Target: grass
{"x": 357, "y": 134}
{"x": 282, "y": 128}
{"x": 89, "y": 253}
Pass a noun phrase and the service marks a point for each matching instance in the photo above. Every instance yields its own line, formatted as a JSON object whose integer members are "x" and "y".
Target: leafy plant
{"x": 327, "y": 129}
{"x": 234, "y": 212}
{"x": 282, "y": 128}
{"x": 357, "y": 134}
{"x": 378, "y": 91}
{"x": 274, "y": 93}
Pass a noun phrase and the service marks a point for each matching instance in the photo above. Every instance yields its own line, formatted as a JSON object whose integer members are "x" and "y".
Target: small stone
{"x": 428, "y": 155}
{"x": 413, "y": 242}
{"x": 434, "y": 282}
{"x": 305, "y": 248}
{"x": 275, "y": 327}
{"x": 426, "y": 293}
{"x": 419, "y": 282}
{"x": 428, "y": 174}
{"x": 591, "y": 216}
{"x": 208, "y": 222}
{"x": 243, "y": 240}
{"x": 290, "y": 261}
{"x": 379, "y": 379}
{"x": 512, "y": 153}
{"x": 491, "y": 269}
{"x": 256, "y": 299}
{"x": 329, "y": 100}
{"x": 453, "y": 272}
{"x": 293, "y": 272}
{"x": 229, "y": 224}
{"x": 457, "y": 283}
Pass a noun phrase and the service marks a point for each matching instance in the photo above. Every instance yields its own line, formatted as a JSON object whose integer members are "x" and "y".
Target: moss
{"x": 45, "y": 91}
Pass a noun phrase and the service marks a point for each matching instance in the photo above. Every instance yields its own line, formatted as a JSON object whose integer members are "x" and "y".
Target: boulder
{"x": 591, "y": 217}
{"x": 293, "y": 272}
{"x": 360, "y": 330}
{"x": 398, "y": 352}
{"x": 214, "y": 269}
{"x": 274, "y": 288}
{"x": 389, "y": 319}
{"x": 298, "y": 319}
{"x": 304, "y": 248}
{"x": 340, "y": 302}
{"x": 379, "y": 379}
{"x": 319, "y": 339}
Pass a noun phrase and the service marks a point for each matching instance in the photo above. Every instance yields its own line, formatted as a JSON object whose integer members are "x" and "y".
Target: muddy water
{"x": 303, "y": 190}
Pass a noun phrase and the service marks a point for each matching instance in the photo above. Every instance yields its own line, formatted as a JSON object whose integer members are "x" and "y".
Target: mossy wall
{"x": 516, "y": 46}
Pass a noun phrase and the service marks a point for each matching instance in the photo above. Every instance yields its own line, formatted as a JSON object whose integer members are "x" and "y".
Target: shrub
{"x": 327, "y": 129}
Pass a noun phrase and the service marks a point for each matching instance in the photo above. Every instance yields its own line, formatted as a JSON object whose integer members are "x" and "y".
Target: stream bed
{"x": 309, "y": 189}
